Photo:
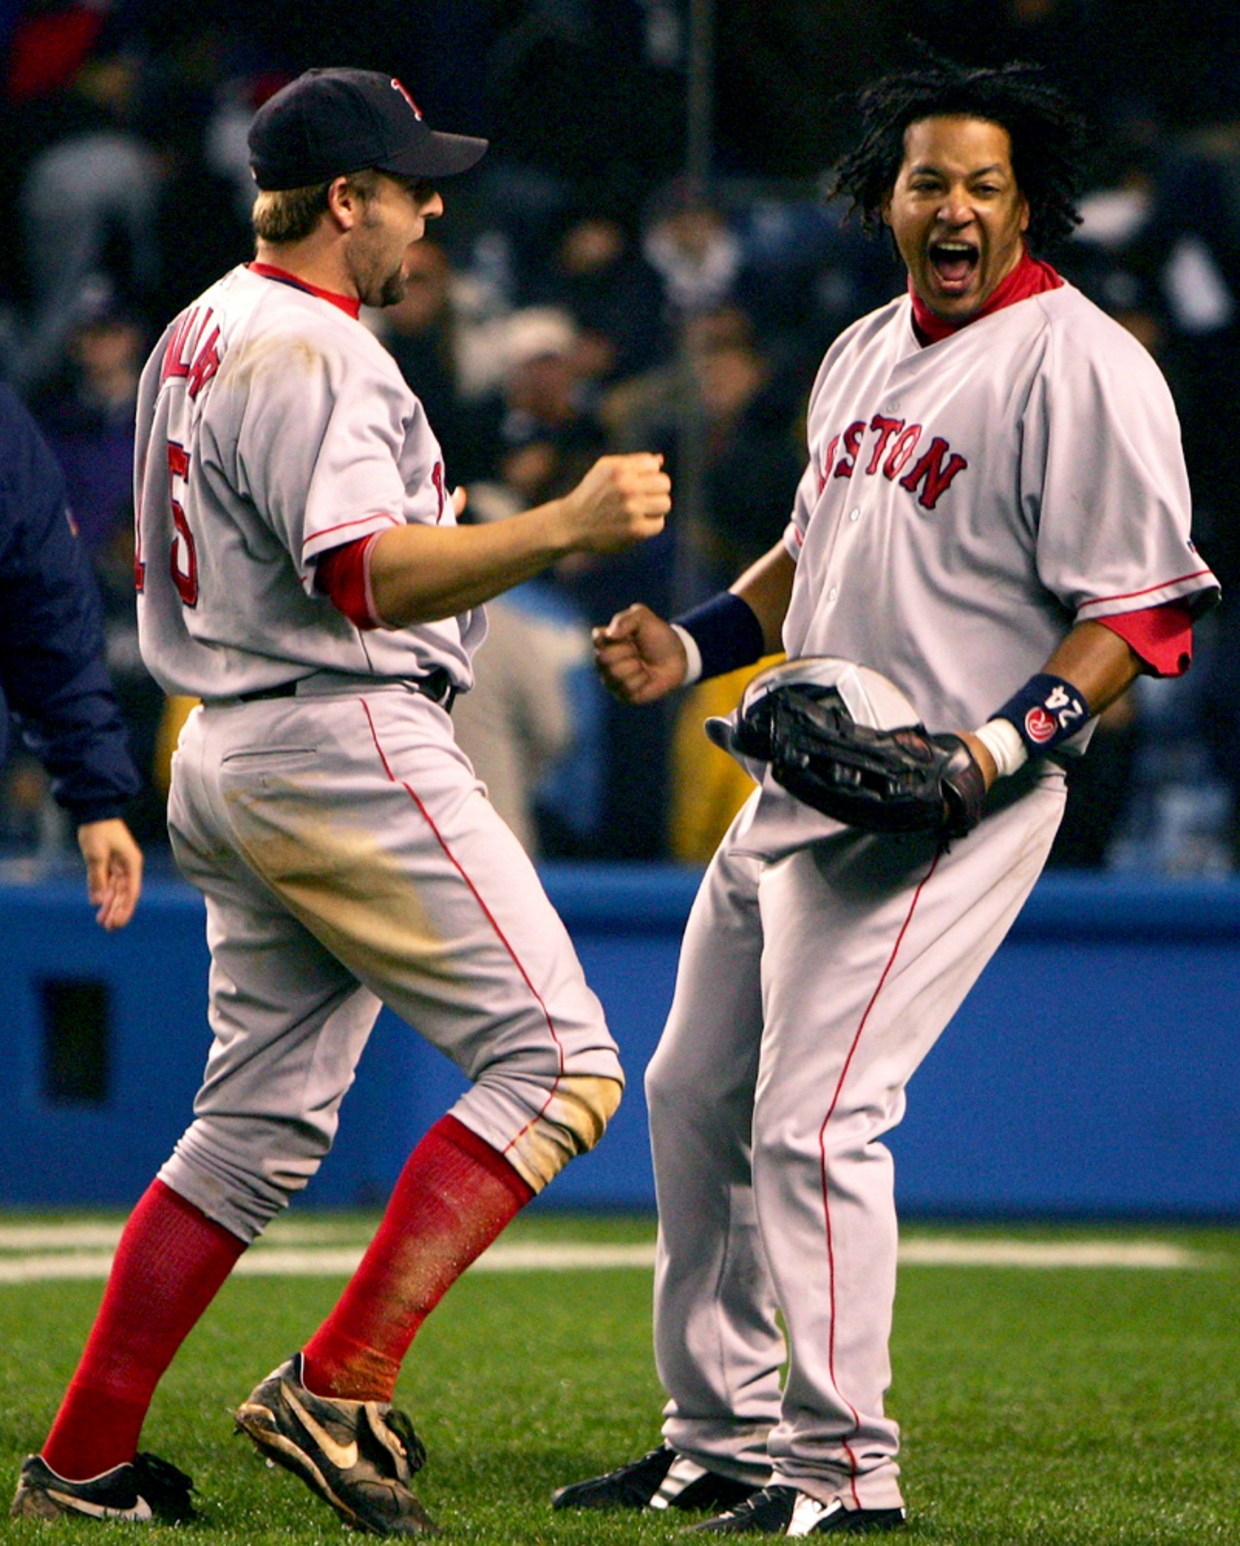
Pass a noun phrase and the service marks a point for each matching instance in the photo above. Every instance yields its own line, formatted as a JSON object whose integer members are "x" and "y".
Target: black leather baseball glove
{"x": 901, "y": 780}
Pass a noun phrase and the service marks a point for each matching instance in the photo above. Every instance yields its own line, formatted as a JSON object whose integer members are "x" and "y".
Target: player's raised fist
{"x": 622, "y": 500}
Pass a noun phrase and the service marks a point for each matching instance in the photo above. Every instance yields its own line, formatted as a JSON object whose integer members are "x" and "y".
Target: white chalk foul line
{"x": 85, "y": 1254}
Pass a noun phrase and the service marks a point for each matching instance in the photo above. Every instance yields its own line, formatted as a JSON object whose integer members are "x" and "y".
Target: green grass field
{"x": 1081, "y": 1406}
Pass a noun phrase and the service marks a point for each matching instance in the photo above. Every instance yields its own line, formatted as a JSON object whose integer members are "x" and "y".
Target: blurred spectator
{"x": 646, "y": 404}
{"x": 1160, "y": 245}
{"x": 427, "y": 337}
{"x": 1149, "y": 797}
{"x": 531, "y": 723}
{"x": 87, "y": 202}
{"x": 807, "y": 272}
{"x": 86, "y": 411}
{"x": 546, "y": 437}
{"x": 693, "y": 249}
{"x": 751, "y": 419}
{"x": 48, "y": 44}
{"x": 748, "y": 417}
{"x": 87, "y": 416}
{"x": 194, "y": 91}
{"x": 750, "y": 422}
{"x": 597, "y": 273}
{"x": 591, "y": 99}
{"x": 42, "y": 47}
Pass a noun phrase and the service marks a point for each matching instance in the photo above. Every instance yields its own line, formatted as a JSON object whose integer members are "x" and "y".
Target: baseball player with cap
{"x": 994, "y": 520}
{"x": 300, "y": 569}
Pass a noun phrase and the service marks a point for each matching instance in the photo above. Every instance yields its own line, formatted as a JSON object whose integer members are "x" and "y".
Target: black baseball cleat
{"x": 358, "y": 1456}
{"x": 661, "y": 1479}
{"x": 144, "y": 1489}
{"x": 781, "y": 1510}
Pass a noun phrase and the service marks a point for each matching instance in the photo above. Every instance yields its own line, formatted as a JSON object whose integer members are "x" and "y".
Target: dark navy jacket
{"x": 52, "y": 673}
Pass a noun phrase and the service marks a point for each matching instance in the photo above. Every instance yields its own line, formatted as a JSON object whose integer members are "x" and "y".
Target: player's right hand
{"x": 621, "y": 501}
{"x": 639, "y": 655}
{"x": 113, "y": 870}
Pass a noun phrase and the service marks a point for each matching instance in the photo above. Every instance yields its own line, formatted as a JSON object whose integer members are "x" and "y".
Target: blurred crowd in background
{"x": 585, "y": 293}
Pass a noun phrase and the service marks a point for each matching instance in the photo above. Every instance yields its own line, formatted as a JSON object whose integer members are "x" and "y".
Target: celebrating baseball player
{"x": 990, "y": 542}
{"x": 301, "y": 570}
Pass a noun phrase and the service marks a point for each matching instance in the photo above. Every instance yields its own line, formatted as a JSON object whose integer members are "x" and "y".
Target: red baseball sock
{"x": 169, "y": 1265}
{"x": 455, "y": 1194}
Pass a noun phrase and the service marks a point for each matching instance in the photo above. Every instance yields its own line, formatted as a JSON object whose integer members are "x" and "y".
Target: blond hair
{"x": 291, "y": 214}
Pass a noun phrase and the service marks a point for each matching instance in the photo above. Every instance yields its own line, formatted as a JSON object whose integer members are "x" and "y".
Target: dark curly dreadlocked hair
{"x": 1047, "y": 136}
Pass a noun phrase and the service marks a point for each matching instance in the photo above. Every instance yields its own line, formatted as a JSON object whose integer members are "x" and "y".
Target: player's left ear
{"x": 1024, "y": 215}
{"x": 344, "y": 200}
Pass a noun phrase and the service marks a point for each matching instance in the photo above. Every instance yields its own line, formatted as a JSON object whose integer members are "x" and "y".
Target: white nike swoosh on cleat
{"x": 682, "y": 1473}
{"x": 807, "y": 1513}
{"x": 342, "y": 1456}
{"x": 140, "y": 1513}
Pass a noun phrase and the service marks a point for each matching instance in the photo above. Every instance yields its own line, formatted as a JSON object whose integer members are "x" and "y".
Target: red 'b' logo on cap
{"x": 1040, "y": 726}
{"x": 396, "y": 86}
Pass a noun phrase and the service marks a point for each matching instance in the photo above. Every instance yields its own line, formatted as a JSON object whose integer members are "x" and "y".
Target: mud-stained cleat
{"x": 661, "y": 1479}
{"x": 358, "y": 1456}
{"x": 781, "y": 1510}
{"x": 144, "y": 1489}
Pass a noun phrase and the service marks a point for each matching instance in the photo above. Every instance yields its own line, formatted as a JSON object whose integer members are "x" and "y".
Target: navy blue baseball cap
{"x": 328, "y": 123}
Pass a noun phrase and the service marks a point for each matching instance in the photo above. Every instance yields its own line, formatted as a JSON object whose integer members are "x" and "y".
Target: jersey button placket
{"x": 854, "y": 515}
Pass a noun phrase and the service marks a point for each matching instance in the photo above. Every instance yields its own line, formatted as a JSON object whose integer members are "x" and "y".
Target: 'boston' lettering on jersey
{"x": 893, "y": 448}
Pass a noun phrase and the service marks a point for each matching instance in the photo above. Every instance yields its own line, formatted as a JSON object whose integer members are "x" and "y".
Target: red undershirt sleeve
{"x": 343, "y": 575}
{"x": 1162, "y": 636}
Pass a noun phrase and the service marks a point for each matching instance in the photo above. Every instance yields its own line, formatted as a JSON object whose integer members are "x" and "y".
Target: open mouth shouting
{"x": 954, "y": 264}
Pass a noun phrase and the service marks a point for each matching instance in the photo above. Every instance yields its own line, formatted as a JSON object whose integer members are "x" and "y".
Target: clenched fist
{"x": 639, "y": 655}
{"x": 621, "y": 501}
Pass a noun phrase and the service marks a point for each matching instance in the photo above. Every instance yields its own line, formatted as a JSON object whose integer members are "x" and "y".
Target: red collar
{"x": 1030, "y": 277}
{"x": 347, "y": 303}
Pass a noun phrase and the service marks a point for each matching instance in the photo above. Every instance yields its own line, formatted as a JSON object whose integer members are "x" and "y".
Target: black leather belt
{"x": 436, "y": 685}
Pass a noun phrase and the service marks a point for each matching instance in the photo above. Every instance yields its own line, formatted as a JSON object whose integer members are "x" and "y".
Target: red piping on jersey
{"x": 349, "y": 304}
{"x": 345, "y": 525}
{"x": 490, "y": 918}
{"x": 822, "y": 1151}
{"x": 1098, "y": 601}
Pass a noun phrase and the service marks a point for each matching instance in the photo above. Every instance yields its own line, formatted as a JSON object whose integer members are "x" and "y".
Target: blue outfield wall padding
{"x": 1094, "y": 1070}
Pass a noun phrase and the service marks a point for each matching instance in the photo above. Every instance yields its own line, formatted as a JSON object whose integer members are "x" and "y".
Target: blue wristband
{"x": 726, "y": 631}
{"x": 1045, "y": 711}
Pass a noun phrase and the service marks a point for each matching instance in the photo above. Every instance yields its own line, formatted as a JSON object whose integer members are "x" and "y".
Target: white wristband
{"x": 1003, "y": 741}
{"x": 693, "y": 655}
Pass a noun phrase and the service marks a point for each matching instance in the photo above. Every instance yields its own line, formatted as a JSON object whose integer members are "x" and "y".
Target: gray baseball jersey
{"x": 291, "y": 432}
{"x": 348, "y": 854}
{"x": 964, "y": 505}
